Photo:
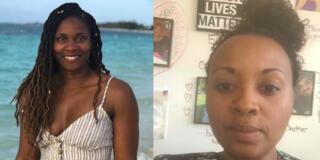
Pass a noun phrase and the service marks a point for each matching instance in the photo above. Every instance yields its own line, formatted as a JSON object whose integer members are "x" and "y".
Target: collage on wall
{"x": 162, "y": 41}
{"x": 214, "y": 16}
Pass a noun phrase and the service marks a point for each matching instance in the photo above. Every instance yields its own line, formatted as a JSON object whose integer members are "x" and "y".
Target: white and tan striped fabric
{"x": 84, "y": 139}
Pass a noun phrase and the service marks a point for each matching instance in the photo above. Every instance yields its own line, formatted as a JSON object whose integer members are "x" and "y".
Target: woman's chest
{"x": 68, "y": 107}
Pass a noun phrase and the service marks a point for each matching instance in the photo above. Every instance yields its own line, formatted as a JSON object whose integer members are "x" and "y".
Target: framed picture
{"x": 217, "y": 15}
{"x": 309, "y": 5}
{"x": 160, "y": 112}
{"x": 200, "y": 112}
{"x": 304, "y": 94}
{"x": 162, "y": 41}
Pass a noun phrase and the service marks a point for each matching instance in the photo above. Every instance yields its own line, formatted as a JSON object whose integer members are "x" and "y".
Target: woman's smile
{"x": 71, "y": 58}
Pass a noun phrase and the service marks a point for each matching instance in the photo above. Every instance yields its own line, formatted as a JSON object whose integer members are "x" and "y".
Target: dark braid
{"x": 34, "y": 92}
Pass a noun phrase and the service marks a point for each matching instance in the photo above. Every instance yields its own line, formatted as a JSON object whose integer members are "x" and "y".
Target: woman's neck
{"x": 75, "y": 79}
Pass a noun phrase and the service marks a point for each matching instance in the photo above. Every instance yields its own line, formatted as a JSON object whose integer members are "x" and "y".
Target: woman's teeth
{"x": 71, "y": 58}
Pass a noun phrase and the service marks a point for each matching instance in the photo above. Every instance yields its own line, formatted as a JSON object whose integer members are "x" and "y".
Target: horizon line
{"x": 97, "y": 22}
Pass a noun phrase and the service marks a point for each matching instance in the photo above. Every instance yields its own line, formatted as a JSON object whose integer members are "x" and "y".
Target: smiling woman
{"x": 69, "y": 106}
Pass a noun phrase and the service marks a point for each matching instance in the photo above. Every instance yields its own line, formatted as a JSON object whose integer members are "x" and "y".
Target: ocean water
{"x": 127, "y": 55}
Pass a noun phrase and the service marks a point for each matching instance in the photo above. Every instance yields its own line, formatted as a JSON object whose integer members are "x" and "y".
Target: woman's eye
{"x": 270, "y": 89}
{"x": 224, "y": 87}
{"x": 61, "y": 39}
{"x": 82, "y": 39}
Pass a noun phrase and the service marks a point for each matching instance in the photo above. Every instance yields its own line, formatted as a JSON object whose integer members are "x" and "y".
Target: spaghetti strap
{"x": 105, "y": 91}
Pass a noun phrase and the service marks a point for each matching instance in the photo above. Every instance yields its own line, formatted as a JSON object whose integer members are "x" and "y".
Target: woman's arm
{"x": 125, "y": 120}
{"x": 26, "y": 151}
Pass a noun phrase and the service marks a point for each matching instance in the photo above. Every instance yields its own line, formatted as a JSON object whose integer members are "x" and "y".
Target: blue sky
{"x": 29, "y": 11}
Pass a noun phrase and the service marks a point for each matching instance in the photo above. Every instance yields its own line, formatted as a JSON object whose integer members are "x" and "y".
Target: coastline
{"x": 126, "y": 30}
{"x": 21, "y": 27}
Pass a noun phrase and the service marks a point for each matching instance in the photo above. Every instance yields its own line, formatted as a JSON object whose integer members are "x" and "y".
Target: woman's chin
{"x": 74, "y": 68}
{"x": 245, "y": 151}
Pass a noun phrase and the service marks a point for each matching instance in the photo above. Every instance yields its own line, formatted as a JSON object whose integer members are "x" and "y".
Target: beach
{"x": 127, "y": 54}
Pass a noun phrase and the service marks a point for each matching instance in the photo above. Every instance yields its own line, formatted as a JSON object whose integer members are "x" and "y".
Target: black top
{"x": 210, "y": 156}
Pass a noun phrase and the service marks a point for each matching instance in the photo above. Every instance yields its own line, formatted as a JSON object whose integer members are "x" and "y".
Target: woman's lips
{"x": 71, "y": 57}
{"x": 245, "y": 133}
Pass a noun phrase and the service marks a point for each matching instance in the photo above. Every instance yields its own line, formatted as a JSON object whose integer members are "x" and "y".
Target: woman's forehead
{"x": 250, "y": 52}
{"x": 72, "y": 24}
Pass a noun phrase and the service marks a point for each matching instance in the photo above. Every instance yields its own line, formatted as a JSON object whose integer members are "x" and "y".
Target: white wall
{"x": 190, "y": 51}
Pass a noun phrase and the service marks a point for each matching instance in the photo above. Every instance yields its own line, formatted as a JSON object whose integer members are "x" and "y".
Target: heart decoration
{"x": 187, "y": 97}
{"x": 188, "y": 86}
{"x": 202, "y": 65}
{"x": 187, "y": 111}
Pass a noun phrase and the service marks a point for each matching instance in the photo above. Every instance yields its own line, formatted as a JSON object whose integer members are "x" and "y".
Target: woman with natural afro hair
{"x": 251, "y": 75}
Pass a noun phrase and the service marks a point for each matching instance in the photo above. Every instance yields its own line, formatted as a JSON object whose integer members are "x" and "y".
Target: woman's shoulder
{"x": 116, "y": 85}
{"x": 118, "y": 93}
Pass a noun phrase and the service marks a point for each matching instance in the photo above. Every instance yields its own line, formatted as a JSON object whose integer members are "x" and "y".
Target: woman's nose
{"x": 71, "y": 46}
{"x": 246, "y": 102}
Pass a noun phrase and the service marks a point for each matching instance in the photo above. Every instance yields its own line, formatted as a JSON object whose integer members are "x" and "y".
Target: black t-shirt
{"x": 210, "y": 156}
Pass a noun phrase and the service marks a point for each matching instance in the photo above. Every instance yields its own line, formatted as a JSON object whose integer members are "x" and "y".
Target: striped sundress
{"x": 84, "y": 139}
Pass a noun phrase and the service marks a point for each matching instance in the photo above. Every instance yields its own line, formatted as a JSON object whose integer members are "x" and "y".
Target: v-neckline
{"x": 69, "y": 126}
{"x": 85, "y": 114}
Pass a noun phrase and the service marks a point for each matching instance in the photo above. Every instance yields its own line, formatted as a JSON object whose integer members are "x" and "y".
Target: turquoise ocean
{"x": 128, "y": 55}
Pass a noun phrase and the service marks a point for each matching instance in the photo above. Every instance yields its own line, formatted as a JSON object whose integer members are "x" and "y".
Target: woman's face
{"x": 249, "y": 95}
{"x": 72, "y": 44}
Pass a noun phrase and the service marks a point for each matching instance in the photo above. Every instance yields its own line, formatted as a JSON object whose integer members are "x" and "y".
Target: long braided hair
{"x": 33, "y": 110}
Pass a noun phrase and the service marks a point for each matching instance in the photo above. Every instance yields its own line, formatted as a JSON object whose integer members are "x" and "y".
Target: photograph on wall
{"x": 162, "y": 40}
{"x": 308, "y": 5}
{"x": 160, "y": 109}
{"x": 200, "y": 112}
{"x": 304, "y": 94}
{"x": 217, "y": 15}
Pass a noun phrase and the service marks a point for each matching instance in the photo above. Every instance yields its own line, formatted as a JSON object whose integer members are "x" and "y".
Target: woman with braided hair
{"x": 69, "y": 106}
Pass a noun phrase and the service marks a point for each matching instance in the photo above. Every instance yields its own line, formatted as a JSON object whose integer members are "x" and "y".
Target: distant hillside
{"x": 31, "y": 28}
{"x": 14, "y": 28}
{"x": 125, "y": 25}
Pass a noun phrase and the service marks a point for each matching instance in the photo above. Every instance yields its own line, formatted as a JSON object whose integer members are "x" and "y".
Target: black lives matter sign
{"x": 216, "y": 15}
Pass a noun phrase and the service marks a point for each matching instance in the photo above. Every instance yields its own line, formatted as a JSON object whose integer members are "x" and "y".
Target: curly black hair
{"x": 33, "y": 96}
{"x": 275, "y": 19}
